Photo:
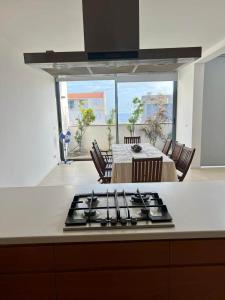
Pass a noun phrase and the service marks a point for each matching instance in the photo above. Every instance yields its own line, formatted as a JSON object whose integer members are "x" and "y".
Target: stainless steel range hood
{"x": 111, "y": 35}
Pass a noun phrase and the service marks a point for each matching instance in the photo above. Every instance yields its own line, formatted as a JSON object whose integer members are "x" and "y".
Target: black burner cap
{"x": 137, "y": 199}
{"x": 123, "y": 221}
{"x": 113, "y": 222}
{"x": 90, "y": 213}
{"x": 145, "y": 211}
{"x": 103, "y": 222}
{"x": 133, "y": 221}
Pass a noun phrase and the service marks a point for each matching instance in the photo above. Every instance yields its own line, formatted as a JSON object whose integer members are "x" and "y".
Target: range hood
{"x": 111, "y": 36}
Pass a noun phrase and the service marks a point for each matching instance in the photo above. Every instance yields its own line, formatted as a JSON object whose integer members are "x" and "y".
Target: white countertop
{"x": 37, "y": 214}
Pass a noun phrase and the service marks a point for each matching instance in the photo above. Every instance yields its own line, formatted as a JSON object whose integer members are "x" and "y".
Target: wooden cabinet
{"x": 30, "y": 258}
{"x": 177, "y": 269}
{"x": 197, "y": 283}
{"x": 197, "y": 269}
{"x": 118, "y": 270}
{"x": 27, "y": 287}
{"x": 22, "y": 272}
{"x": 114, "y": 284}
{"x": 198, "y": 252}
{"x": 114, "y": 255}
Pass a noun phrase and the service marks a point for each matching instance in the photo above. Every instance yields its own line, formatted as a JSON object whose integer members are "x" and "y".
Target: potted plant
{"x": 138, "y": 109}
{"x": 153, "y": 126}
{"x": 110, "y": 121}
{"x": 85, "y": 119}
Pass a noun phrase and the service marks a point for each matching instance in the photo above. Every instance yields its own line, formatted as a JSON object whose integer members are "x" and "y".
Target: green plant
{"x": 153, "y": 126}
{"x": 86, "y": 118}
{"x": 138, "y": 108}
{"x": 110, "y": 121}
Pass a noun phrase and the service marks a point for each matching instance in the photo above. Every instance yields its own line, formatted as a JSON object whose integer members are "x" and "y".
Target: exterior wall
{"x": 28, "y": 131}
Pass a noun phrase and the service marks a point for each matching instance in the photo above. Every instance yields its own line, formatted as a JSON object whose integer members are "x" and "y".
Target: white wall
{"x": 28, "y": 124}
{"x": 181, "y": 23}
{"x": 197, "y": 112}
{"x": 185, "y": 104}
{"x": 213, "y": 120}
{"x": 40, "y": 25}
{"x": 189, "y": 108}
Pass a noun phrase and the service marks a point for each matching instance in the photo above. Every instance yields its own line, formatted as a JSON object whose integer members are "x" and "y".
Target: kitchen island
{"x": 40, "y": 261}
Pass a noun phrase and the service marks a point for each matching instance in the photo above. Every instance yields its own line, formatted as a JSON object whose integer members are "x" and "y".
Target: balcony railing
{"x": 99, "y": 132}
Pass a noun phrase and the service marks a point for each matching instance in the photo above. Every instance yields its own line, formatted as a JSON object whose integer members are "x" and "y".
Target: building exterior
{"x": 95, "y": 101}
{"x": 151, "y": 103}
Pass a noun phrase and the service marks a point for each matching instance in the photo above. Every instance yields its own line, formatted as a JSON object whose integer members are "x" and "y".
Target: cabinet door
{"x": 198, "y": 252}
{"x": 111, "y": 285}
{"x": 197, "y": 283}
{"x": 112, "y": 255}
{"x": 26, "y": 259}
{"x": 27, "y": 287}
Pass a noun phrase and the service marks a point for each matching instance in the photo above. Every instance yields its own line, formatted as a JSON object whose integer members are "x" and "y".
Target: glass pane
{"x": 145, "y": 109}
{"x": 88, "y": 111}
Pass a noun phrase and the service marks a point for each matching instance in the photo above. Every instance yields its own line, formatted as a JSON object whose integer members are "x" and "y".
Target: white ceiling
{"x": 39, "y": 25}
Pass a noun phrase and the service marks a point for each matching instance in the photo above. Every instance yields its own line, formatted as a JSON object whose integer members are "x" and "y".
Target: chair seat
{"x": 106, "y": 178}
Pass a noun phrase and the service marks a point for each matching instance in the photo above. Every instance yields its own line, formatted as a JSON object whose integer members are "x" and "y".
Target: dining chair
{"x": 104, "y": 174}
{"x": 107, "y": 157}
{"x": 166, "y": 147}
{"x": 176, "y": 152}
{"x": 132, "y": 140}
{"x": 104, "y": 163}
{"x": 184, "y": 162}
{"x": 147, "y": 169}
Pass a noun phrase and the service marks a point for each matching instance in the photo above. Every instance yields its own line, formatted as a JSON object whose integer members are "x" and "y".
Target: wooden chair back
{"x": 97, "y": 163}
{"x": 166, "y": 147}
{"x": 147, "y": 169}
{"x": 184, "y": 161}
{"x": 99, "y": 155}
{"x": 176, "y": 152}
{"x": 132, "y": 140}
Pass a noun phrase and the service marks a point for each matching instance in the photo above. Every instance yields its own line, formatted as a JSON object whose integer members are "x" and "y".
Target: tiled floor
{"x": 79, "y": 172}
{"x": 83, "y": 172}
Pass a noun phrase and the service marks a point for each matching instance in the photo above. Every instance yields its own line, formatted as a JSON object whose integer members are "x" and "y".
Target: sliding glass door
{"x": 89, "y": 111}
{"x": 108, "y": 110}
{"x": 145, "y": 109}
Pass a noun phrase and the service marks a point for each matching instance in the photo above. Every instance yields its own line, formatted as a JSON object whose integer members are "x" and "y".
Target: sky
{"x": 126, "y": 91}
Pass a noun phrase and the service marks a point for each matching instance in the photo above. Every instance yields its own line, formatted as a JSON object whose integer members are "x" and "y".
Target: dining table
{"x": 122, "y": 155}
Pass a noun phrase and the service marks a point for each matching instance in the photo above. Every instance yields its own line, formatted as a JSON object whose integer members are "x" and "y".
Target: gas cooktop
{"x": 117, "y": 210}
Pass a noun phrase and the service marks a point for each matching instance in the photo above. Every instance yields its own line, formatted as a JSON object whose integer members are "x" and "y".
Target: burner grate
{"x": 116, "y": 210}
